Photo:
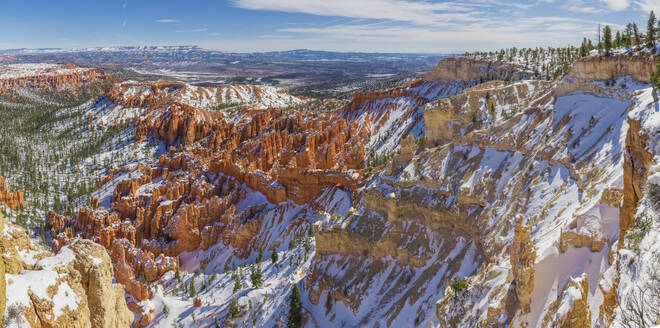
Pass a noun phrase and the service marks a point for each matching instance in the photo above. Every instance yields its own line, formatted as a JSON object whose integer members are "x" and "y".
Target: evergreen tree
{"x": 166, "y": 310}
{"x": 237, "y": 283}
{"x": 636, "y": 34}
{"x": 274, "y": 256}
{"x": 607, "y": 39}
{"x": 583, "y": 48}
{"x": 260, "y": 257}
{"x": 256, "y": 276}
{"x": 193, "y": 292}
{"x": 233, "y": 308}
{"x": 617, "y": 40}
{"x": 650, "y": 30}
{"x": 295, "y": 309}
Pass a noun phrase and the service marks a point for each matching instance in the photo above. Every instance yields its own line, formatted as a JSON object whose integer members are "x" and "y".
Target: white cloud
{"x": 648, "y": 5}
{"x": 195, "y": 30}
{"x": 410, "y": 25}
{"x": 168, "y": 21}
{"x": 616, "y": 5}
{"x": 424, "y": 13}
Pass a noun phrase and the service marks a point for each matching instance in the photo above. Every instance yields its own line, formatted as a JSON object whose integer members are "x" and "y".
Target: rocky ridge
{"x": 445, "y": 202}
{"x": 49, "y": 77}
{"x": 72, "y": 288}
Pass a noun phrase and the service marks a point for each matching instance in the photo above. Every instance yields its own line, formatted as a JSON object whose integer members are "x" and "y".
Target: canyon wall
{"x": 470, "y": 68}
{"x": 591, "y": 68}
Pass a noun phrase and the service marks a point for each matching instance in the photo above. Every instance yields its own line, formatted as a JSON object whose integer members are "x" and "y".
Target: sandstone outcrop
{"x": 49, "y": 77}
{"x": 470, "y": 68}
{"x": 476, "y": 108}
{"x": 571, "y": 309}
{"x": 637, "y": 161}
{"x": 522, "y": 258}
{"x": 590, "y": 68}
{"x": 13, "y": 200}
{"x": 73, "y": 288}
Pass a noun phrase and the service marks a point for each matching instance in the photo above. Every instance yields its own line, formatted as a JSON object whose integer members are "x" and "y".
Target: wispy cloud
{"x": 195, "y": 30}
{"x": 469, "y": 23}
{"x": 617, "y": 5}
{"x": 168, "y": 21}
{"x": 423, "y": 13}
{"x": 648, "y": 5}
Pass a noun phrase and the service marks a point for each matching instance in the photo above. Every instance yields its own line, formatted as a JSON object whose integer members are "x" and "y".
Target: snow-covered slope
{"x": 519, "y": 203}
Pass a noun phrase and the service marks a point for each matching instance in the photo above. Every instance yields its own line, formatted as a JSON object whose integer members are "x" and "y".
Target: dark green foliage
{"x": 256, "y": 276}
{"x": 274, "y": 256}
{"x": 650, "y": 30}
{"x": 237, "y": 283}
{"x": 294, "y": 319}
{"x": 458, "y": 285}
{"x": 607, "y": 39}
{"x": 192, "y": 290}
{"x": 221, "y": 107}
{"x": 260, "y": 257}
{"x": 640, "y": 228}
{"x": 655, "y": 75}
{"x": 234, "y": 310}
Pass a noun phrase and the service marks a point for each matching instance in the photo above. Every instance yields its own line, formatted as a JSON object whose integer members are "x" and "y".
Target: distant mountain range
{"x": 320, "y": 74}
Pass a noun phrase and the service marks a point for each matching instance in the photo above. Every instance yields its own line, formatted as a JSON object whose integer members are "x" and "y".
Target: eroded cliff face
{"x": 73, "y": 288}
{"x": 600, "y": 68}
{"x": 514, "y": 199}
{"x": 228, "y": 179}
{"x": 49, "y": 77}
{"x": 479, "y": 107}
{"x": 638, "y": 161}
{"x": 469, "y": 68}
{"x": 13, "y": 200}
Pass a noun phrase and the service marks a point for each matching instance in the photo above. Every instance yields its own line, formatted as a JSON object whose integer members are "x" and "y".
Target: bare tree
{"x": 640, "y": 308}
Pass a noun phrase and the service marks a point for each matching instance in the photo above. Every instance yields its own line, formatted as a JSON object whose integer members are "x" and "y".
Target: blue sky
{"x": 339, "y": 25}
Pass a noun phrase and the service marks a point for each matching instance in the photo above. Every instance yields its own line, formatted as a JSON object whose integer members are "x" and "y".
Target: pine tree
{"x": 256, "y": 276}
{"x": 583, "y": 48}
{"x": 636, "y": 34}
{"x": 607, "y": 39}
{"x": 193, "y": 292}
{"x": 166, "y": 310}
{"x": 237, "y": 283}
{"x": 617, "y": 40}
{"x": 295, "y": 309}
{"x": 650, "y": 30}
{"x": 260, "y": 257}
{"x": 274, "y": 256}
{"x": 233, "y": 308}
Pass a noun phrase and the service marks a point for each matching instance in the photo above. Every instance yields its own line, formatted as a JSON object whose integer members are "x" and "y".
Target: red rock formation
{"x": 188, "y": 201}
{"x": 13, "y": 200}
{"x": 54, "y": 80}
